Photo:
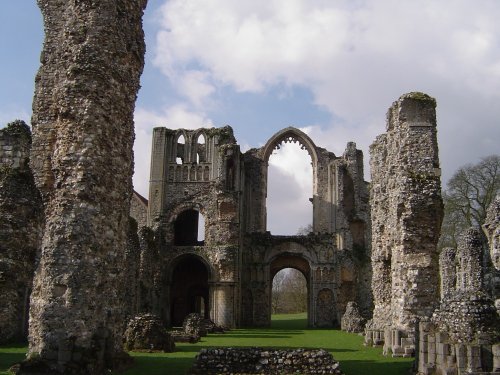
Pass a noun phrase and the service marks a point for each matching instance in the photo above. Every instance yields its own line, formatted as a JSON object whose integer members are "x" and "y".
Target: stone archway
{"x": 297, "y": 262}
{"x": 189, "y": 288}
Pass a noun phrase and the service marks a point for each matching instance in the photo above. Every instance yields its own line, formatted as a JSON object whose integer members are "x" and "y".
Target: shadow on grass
{"x": 11, "y": 354}
{"x": 363, "y": 367}
{"x": 259, "y": 336}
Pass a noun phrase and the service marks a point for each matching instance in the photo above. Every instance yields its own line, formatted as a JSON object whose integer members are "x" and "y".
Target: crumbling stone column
{"x": 20, "y": 230}
{"x": 85, "y": 93}
{"x": 470, "y": 251}
{"x": 491, "y": 228}
{"x": 407, "y": 211}
{"x": 448, "y": 272}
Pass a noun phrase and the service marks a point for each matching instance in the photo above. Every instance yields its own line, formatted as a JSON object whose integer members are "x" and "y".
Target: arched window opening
{"x": 189, "y": 229}
{"x": 289, "y": 189}
{"x": 200, "y": 149}
{"x": 181, "y": 142}
{"x": 189, "y": 290}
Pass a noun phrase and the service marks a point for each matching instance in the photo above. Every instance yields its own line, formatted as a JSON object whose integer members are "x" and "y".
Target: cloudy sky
{"x": 331, "y": 68}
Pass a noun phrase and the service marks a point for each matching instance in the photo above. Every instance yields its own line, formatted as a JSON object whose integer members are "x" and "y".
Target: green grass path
{"x": 287, "y": 331}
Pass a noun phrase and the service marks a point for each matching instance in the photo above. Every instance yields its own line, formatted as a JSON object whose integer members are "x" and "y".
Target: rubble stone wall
{"x": 406, "y": 217}
{"x": 21, "y": 218}
{"x": 264, "y": 361}
{"x": 212, "y": 179}
{"x": 85, "y": 93}
{"x": 463, "y": 334}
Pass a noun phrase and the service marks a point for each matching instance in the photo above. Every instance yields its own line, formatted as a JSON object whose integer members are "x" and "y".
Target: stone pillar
{"x": 85, "y": 94}
{"x": 491, "y": 228}
{"x": 469, "y": 258}
{"x": 20, "y": 230}
{"x": 407, "y": 211}
{"x": 223, "y": 304}
{"x": 447, "y": 268}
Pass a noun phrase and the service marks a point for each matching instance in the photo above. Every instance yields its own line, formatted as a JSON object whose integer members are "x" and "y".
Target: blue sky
{"x": 331, "y": 68}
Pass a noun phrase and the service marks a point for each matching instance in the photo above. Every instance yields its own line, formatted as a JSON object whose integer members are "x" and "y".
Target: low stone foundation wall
{"x": 264, "y": 361}
{"x": 437, "y": 354}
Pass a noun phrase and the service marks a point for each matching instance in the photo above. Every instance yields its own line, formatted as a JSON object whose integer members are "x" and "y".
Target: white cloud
{"x": 355, "y": 57}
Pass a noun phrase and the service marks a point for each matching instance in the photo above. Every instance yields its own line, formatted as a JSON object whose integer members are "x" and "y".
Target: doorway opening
{"x": 189, "y": 289}
{"x": 290, "y": 292}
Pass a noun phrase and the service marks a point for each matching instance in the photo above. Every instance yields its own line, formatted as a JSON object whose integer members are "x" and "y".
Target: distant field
{"x": 287, "y": 331}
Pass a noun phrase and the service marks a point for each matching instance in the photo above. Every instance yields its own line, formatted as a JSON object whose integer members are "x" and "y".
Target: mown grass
{"x": 9, "y": 355}
{"x": 287, "y": 331}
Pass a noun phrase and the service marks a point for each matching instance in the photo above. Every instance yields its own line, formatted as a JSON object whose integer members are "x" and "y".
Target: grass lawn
{"x": 287, "y": 331}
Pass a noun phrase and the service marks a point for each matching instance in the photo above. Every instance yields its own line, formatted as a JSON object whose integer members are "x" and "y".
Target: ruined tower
{"x": 21, "y": 219}
{"x": 194, "y": 207}
{"x": 85, "y": 94}
{"x": 407, "y": 210}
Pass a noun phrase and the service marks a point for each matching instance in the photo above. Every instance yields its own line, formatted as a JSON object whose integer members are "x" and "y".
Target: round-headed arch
{"x": 290, "y": 260}
{"x": 293, "y": 135}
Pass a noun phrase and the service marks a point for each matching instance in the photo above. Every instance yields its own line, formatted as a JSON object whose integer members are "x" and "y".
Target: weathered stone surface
{"x": 21, "y": 218}
{"x": 491, "y": 228}
{"x": 467, "y": 314}
{"x": 81, "y": 157}
{"x": 194, "y": 324}
{"x": 139, "y": 209}
{"x": 202, "y": 173}
{"x": 352, "y": 321}
{"x": 147, "y": 332}
{"x": 406, "y": 211}
{"x": 464, "y": 332}
{"x": 264, "y": 361}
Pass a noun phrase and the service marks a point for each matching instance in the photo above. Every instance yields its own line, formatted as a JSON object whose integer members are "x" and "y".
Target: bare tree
{"x": 469, "y": 193}
{"x": 289, "y": 294}
{"x": 305, "y": 230}
{"x": 277, "y": 292}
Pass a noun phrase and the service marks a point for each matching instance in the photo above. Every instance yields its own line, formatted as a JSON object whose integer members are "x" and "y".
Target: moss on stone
{"x": 416, "y": 95}
{"x": 18, "y": 128}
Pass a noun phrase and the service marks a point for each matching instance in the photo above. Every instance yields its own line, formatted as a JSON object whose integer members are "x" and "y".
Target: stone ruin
{"x": 406, "y": 211}
{"x": 375, "y": 262}
{"x": 352, "y": 321}
{"x": 264, "y": 361}
{"x": 228, "y": 275}
{"x": 21, "y": 218}
{"x": 146, "y": 332}
{"x": 375, "y": 247}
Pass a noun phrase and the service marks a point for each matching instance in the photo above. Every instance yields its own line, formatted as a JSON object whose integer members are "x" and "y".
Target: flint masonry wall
{"x": 86, "y": 87}
{"x": 491, "y": 228}
{"x": 227, "y": 276}
{"x": 195, "y": 174}
{"x": 20, "y": 230}
{"x": 406, "y": 214}
{"x": 462, "y": 337}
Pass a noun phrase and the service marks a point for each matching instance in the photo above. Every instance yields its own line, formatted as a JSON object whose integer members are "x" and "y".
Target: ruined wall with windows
{"x": 226, "y": 271}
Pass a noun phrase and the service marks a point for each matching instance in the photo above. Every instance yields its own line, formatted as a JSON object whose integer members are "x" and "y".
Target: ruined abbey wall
{"x": 21, "y": 220}
{"x": 202, "y": 173}
{"x": 407, "y": 212}
{"x": 462, "y": 336}
{"x": 81, "y": 157}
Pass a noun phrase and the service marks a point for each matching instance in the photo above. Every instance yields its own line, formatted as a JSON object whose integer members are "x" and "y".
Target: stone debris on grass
{"x": 239, "y": 361}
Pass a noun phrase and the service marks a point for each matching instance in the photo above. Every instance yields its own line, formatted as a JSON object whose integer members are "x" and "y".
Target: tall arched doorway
{"x": 189, "y": 289}
{"x": 295, "y": 262}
